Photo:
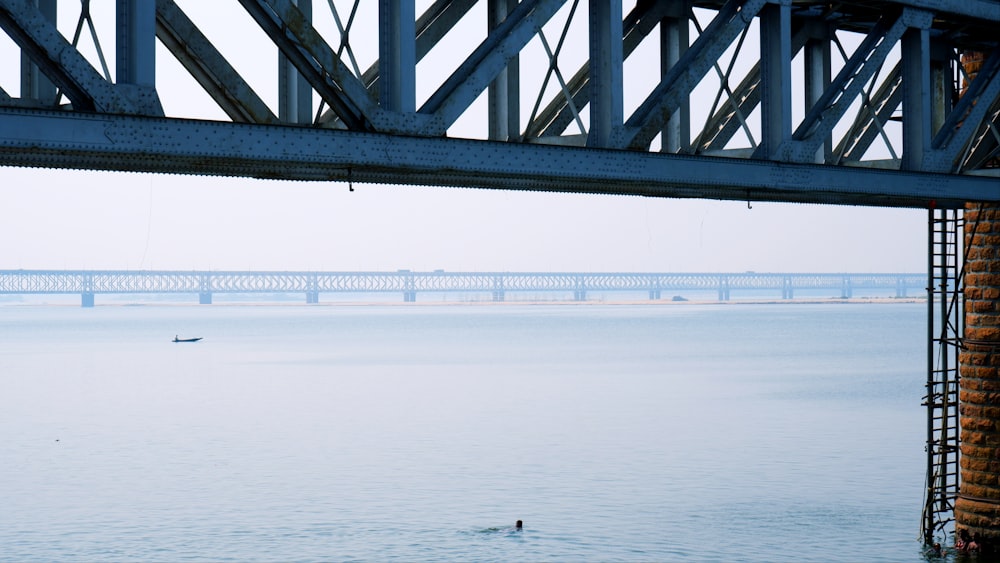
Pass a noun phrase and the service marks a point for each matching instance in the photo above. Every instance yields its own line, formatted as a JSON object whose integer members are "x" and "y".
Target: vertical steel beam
{"x": 674, "y": 41}
{"x": 34, "y": 84}
{"x": 943, "y": 87}
{"x": 818, "y": 72}
{"x": 397, "y": 55}
{"x": 775, "y": 76}
{"x": 606, "y": 104}
{"x": 294, "y": 92}
{"x": 505, "y": 90}
{"x": 915, "y": 53}
{"x": 136, "y": 44}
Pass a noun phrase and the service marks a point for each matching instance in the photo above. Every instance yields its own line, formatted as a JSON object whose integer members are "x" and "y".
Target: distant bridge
{"x": 89, "y": 283}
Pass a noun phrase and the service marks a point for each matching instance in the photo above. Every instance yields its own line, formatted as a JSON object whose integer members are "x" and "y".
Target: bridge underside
{"x": 891, "y": 103}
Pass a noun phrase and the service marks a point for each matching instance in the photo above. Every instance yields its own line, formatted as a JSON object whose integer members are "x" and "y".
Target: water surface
{"x": 666, "y": 432}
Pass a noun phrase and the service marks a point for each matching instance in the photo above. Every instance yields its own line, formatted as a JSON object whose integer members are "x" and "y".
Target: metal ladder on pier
{"x": 945, "y": 328}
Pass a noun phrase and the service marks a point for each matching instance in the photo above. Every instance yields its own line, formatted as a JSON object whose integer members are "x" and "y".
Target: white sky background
{"x": 76, "y": 219}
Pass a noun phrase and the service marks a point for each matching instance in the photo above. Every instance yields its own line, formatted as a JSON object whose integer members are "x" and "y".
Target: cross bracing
{"x": 854, "y": 102}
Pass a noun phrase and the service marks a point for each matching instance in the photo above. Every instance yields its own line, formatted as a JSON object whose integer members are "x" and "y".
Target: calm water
{"x": 616, "y": 433}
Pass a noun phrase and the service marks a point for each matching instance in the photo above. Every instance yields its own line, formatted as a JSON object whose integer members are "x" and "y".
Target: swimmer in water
{"x": 519, "y": 526}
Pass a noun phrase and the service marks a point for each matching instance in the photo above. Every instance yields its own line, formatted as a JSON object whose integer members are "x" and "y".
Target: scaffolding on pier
{"x": 945, "y": 328}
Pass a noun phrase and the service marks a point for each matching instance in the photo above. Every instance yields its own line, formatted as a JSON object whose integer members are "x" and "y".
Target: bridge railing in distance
{"x": 497, "y": 285}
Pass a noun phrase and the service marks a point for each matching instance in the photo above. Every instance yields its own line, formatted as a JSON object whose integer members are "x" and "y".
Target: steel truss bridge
{"x": 858, "y": 102}
{"x": 892, "y": 102}
{"x": 89, "y": 283}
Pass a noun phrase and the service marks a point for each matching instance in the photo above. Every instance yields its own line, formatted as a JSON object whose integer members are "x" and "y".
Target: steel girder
{"x": 101, "y": 142}
{"x": 888, "y": 123}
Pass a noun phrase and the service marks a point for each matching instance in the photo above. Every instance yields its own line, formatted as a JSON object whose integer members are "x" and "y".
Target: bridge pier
{"x": 654, "y": 294}
{"x": 724, "y": 289}
{"x": 847, "y": 291}
{"x": 499, "y": 289}
{"x": 787, "y": 292}
{"x": 87, "y": 300}
{"x": 312, "y": 297}
{"x": 205, "y": 298}
{"x": 977, "y": 509}
{"x": 409, "y": 297}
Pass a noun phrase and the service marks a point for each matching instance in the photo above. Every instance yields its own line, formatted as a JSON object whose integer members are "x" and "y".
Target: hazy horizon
{"x": 54, "y": 219}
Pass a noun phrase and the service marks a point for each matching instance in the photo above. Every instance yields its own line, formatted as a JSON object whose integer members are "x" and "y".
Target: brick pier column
{"x": 978, "y": 507}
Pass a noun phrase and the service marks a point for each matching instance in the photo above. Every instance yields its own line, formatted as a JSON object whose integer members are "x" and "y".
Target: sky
{"x": 58, "y": 219}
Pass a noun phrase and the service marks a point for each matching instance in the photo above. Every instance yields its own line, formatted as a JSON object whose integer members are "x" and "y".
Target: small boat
{"x": 176, "y": 339}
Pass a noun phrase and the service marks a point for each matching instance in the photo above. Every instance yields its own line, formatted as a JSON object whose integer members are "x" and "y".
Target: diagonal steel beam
{"x": 845, "y": 88}
{"x": 474, "y": 75}
{"x": 305, "y": 48}
{"x": 648, "y": 119}
{"x": 986, "y": 148}
{"x": 86, "y": 89}
{"x": 557, "y": 115}
{"x": 863, "y": 133}
{"x": 967, "y": 117}
{"x": 208, "y": 67}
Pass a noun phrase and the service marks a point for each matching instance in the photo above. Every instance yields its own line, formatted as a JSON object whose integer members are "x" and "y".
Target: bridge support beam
{"x": 724, "y": 289}
{"x": 87, "y": 300}
{"x": 787, "y": 291}
{"x": 312, "y": 297}
{"x": 205, "y": 298}
{"x": 977, "y": 510}
{"x": 847, "y": 290}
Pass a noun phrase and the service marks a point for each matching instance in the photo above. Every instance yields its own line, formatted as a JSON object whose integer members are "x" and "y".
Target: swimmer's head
{"x": 518, "y": 525}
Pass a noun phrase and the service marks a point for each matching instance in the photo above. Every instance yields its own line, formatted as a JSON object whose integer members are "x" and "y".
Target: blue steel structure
{"x": 852, "y": 102}
{"x": 498, "y": 285}
{"x": 859, "y": 102}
